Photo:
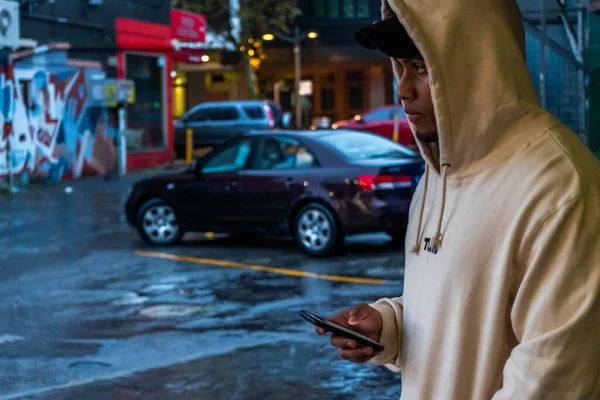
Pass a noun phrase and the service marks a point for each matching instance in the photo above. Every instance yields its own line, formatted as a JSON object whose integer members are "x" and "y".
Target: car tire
{"x": 157, "y": 223}
{"x": 317, "y": 231}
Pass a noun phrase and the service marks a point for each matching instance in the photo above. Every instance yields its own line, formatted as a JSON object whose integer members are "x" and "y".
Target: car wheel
{"x": 157, "y": 223}
{"x": 316, "y": 230}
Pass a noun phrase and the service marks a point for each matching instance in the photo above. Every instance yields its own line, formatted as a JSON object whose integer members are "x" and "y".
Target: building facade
{"x": 57, "y": 120}
{"x": 346, "y": 79}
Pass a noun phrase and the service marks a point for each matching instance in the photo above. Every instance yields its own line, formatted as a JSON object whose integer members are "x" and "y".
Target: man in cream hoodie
{"x": 502, "y": 286}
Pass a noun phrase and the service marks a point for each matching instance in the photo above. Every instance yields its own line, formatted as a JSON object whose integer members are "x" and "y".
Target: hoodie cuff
{"x": 390, "y": 333}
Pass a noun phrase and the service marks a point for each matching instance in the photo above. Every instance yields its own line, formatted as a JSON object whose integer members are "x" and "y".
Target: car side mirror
{"x": 286, "y": 119}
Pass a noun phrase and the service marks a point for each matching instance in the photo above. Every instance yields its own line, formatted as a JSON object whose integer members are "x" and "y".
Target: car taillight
{"x": 384, "y": 182}
{"x": 270, "y": 116}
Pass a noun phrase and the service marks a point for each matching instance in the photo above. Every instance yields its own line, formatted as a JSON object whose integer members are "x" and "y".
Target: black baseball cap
{"x": 389, "y": 37}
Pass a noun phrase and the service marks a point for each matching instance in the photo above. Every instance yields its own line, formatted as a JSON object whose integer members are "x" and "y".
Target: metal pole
{"x": 581, "y": 77}
{"x": 543, "y": 56}
{"x": 122, "y": 151}
{"x": 396, "y": 112}
{"x": 297, "y": 62}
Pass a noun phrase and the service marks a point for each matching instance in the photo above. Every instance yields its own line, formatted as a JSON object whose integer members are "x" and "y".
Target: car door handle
{"x": 288, "y": 182}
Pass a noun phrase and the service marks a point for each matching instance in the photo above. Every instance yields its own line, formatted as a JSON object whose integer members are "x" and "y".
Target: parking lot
{"x": 90, "y": 312}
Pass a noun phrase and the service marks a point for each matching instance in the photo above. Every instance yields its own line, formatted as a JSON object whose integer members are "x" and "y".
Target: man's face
{"x": 415, "y": 95}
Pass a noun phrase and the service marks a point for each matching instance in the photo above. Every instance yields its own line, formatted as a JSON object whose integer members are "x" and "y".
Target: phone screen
{"x": 340, "y": 330}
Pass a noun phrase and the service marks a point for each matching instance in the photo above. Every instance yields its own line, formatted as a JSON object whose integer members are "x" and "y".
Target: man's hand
{"x": 362, "y": 319}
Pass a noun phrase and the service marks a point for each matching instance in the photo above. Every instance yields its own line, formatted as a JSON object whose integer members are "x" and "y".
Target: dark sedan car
{"x": 316, "y": 186}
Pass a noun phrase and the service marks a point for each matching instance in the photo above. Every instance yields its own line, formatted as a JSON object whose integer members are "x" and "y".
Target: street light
{"x": 296, "y": 40}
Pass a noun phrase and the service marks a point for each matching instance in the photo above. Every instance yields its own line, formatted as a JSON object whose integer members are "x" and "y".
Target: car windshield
{"x": 356, "y": 146}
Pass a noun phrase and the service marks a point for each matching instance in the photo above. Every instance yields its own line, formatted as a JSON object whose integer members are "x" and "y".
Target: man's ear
{"x": 386, "y": 10}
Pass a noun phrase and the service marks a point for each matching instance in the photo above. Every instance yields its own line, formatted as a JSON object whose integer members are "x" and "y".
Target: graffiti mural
{"x": 53, "y": 128}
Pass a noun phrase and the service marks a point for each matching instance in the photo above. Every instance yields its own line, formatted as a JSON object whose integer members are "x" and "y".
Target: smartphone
{"x": 340, "y": 330}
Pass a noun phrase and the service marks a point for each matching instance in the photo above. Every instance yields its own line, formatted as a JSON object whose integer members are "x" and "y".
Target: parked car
{"x": 315, "y": 186}
{"x": 381, "y": 121}
{"x": 214, "y": 123}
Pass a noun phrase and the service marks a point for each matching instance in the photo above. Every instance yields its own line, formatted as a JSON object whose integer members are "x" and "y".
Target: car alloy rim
{"x": 314, "y": 230}
{"x": 160, "y": 224}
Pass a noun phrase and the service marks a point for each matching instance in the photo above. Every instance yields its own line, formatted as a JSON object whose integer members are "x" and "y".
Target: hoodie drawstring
{"x": 417, "y": 246}
{"x": 437, "y": 240}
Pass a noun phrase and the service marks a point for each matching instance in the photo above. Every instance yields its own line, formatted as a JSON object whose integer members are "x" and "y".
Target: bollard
{"x": 189, "y": 145}
{"x": 396, "y": 128}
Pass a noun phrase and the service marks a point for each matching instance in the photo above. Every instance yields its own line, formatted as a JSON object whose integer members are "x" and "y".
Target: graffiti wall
{"x": 51, "y": 124}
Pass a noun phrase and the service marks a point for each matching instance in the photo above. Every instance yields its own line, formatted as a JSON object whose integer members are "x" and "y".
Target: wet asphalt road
{"x": 84, "y": 315}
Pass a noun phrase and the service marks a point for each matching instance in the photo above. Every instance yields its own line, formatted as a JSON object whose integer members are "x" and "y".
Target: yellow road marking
{"x": 282, "y": 271}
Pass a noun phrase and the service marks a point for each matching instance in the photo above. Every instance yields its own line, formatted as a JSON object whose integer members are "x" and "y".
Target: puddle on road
{"x": 130, "y": 299}
{"x": 10, "y": 338}
{"x": 156, "y": 289}
{"x": 172, "y": 311}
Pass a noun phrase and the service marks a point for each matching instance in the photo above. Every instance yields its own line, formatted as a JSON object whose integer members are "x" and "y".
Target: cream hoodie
{"x": 507, "y": 305}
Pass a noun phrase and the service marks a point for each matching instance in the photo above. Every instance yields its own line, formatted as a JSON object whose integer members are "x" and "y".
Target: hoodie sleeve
{"x": 391, "y": 333}
{"x": 556, "y": 311}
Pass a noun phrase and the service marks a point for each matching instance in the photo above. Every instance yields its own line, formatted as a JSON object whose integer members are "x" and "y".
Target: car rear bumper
{"x": 375, "y": 216}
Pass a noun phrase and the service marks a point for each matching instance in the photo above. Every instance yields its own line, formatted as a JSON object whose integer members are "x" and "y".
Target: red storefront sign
{"x": 189, "y": 30}
{"x": 137, "y": 35}
{"x": 188, "y": 27}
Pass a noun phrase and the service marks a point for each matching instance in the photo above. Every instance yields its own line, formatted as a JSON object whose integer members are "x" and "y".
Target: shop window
{"x": 319, "y": 9}
{"x": 349, "y": 10}
{"x": 327, "y": 99}
{"x": 362, "y": 9}
{"x": 146, "y": 117}
{"x": 356, "y": 98}
{"x": 336, "y": 9}
{"x": 333, "y": 9}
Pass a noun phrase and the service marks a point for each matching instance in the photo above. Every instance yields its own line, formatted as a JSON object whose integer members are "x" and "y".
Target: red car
{"x": 380, "y": 121}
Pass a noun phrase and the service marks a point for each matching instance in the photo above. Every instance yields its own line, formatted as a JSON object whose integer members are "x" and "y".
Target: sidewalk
{"x": 111, "y": 184}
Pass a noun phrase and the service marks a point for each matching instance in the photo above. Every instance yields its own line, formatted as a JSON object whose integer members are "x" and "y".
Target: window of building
{"x": 362, "y": 9}
{"x": 349, "y": 10}
{"x": 336, "y": 9}
{"x": 319, "y": 9}
{"x": 333, "y": 9}
{"x": 356, "y": 98}
{"x": 327, "y": 99}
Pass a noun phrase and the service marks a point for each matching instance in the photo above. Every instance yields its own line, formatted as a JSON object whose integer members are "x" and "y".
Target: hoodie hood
{"x": 480, "y": 83}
